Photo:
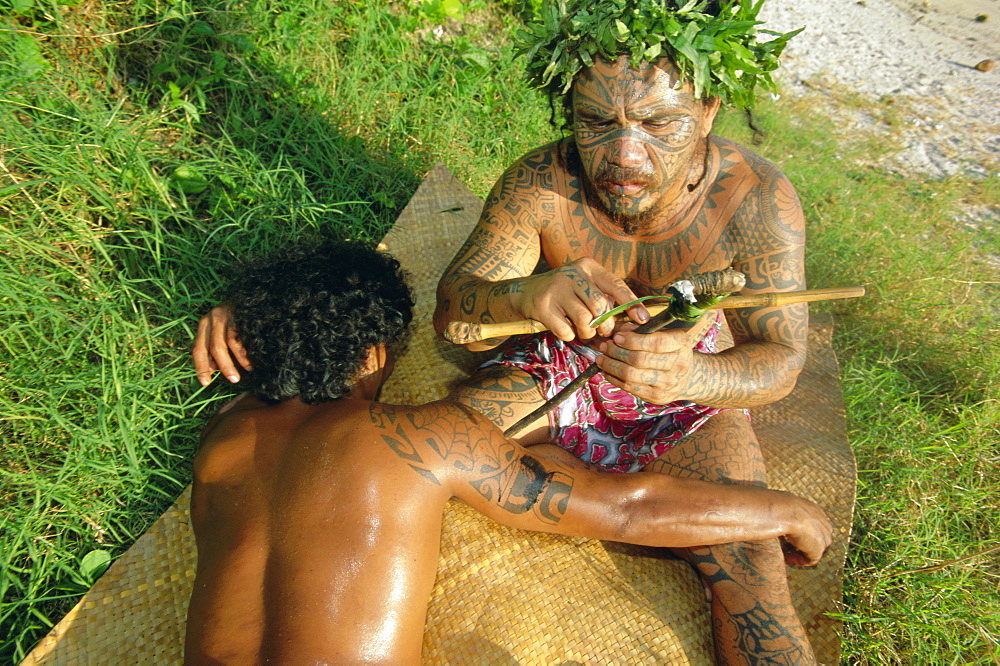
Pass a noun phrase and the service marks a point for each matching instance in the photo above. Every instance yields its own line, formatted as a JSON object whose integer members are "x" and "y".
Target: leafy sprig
{"x": 713, "y": 44}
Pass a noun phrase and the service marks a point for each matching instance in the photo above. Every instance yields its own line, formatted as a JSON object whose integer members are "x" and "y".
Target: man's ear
{"x": 377, "y": 358}
{"x": 711, "y": 106}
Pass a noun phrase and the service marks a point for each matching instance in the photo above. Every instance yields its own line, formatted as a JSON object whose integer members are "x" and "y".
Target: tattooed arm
{"x": 765, "y": 238}
{"x": 490, "y": 280}
{"x": 456, "y": 447}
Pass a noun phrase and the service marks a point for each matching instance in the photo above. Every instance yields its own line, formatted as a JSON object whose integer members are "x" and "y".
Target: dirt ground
{"x": 956, "y": 19}
{"x": 917, "y": 57}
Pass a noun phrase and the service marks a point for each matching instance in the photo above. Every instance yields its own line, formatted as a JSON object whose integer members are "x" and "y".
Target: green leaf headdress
{"x": 713, "y": 43}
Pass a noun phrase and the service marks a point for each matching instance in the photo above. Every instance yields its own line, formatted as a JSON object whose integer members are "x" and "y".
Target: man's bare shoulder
{"x": 442, "y": 417}
{"x": 765, "y": 227}
{"x": 742, "y": 162}
{"x": 543, "y": 159}
{"x": 248, "y": 429}
{"x": 527, "y": 194}
{"x": 443, "y": 441}
{"x": 539, "y": 171}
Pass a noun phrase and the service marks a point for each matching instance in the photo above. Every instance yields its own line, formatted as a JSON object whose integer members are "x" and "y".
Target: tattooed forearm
{"x": 504, "y": 246}
{"x": 750, "y": 375}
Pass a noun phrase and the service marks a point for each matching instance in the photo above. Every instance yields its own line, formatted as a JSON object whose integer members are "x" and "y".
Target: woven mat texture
{"x": 504, "y": 596}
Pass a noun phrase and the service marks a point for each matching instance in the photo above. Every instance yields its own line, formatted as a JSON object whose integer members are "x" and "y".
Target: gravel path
{"x": 919, "y": 57}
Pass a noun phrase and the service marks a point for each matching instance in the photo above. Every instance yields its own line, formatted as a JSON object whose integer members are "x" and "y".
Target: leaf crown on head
{"x": 712, "y": 42}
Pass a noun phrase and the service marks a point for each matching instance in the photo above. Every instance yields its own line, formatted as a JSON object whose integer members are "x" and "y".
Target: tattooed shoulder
{"x": 396, "y": 434}
{"x": 450, "y": 439}
{"x": 766, "y": 231}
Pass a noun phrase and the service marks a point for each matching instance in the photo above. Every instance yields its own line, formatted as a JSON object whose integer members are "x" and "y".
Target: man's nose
{"x": 627, "y": 152}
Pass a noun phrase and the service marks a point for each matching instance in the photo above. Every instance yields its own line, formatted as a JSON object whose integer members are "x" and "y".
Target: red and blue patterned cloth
{"x": 601, "y": 424}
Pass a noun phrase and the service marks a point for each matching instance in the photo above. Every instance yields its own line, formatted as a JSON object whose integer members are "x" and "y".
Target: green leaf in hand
{"x": 622, "y": 308}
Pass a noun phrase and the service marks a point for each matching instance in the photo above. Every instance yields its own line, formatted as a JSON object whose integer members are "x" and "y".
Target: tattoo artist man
{"x": 640, "y": 195}
{"x": 317, "y": 509}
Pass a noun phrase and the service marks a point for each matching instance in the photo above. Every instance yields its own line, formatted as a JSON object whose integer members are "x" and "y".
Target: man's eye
{"x": 599, "y": 124}
{"x": 658, "y": 124}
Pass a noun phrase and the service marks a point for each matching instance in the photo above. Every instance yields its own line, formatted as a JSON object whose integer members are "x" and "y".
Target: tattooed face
{"x": 639, "y": 135}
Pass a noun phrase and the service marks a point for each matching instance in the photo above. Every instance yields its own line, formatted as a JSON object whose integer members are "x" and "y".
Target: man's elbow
{"x": 630, "y": 518}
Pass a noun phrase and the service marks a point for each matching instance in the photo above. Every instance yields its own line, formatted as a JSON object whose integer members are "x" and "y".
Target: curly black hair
{"x": 309, "y": 314}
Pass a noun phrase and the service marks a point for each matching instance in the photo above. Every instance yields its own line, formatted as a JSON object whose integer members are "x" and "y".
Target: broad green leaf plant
{"x": 713, "y": 43}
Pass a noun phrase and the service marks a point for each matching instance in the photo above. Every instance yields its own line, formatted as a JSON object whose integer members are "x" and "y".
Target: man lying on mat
{"x": 317, "y": 509}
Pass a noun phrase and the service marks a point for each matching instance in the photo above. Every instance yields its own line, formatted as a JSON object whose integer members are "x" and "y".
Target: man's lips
{"x": 624, "y": 188}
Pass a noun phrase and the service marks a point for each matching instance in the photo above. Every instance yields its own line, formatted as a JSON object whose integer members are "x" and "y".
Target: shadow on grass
{"x": 275, "y": 145}
{"x": 239, "y": 156}
{"x": 267, "y": 164}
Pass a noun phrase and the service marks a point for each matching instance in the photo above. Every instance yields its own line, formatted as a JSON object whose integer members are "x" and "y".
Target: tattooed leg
{"x": 505, "y": 395}
{"x": 753, "y": 619}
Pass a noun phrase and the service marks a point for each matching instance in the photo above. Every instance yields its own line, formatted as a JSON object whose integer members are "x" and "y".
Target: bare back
{"x": 308, "y": 526}
{"x": 318, "y": 526}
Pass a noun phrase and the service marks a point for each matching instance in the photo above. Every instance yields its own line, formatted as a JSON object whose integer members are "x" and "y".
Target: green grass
{"x": 319, "y": 119}
{"x": 920, "y": 358}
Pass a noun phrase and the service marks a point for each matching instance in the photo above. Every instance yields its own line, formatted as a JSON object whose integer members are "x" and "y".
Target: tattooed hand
{"x": 567, "y": 299}
{"x": 657, "y": 367}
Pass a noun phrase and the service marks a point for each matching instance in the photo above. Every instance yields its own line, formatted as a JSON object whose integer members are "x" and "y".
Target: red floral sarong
{"x": 601, "y": 424}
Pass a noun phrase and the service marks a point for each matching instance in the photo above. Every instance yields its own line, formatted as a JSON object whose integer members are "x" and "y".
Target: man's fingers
{"x": 807, "y": 547}
{"x": 580, "y": 314}
{"x": 566, "y": 320}
{"x": 224, "y": 362}
{"x": 203, "y": 363}
{"x": 607, "y": 327}
{"x": 562, "y": 328}
{"x": 627, "y": 374}
{"x": 804, "y": 552}
{"x": 237, "y": 349}
{"x": 642, "y": 383}
{"x": 620, "y": 293}
{"x": 220, "y": 335}
{"x": 661, "y": 342}
{"x": 635, "y": 350}
{"x": 795, "y": 557}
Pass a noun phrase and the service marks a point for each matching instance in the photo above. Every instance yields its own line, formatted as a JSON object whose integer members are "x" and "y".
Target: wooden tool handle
{"x": 787, "y": 298}
{"x": 462, "y": 332}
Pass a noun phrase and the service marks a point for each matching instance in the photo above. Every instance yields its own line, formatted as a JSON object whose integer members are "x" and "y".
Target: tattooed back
{"x": 307, "y": 526}
{"x": 318, "y": 526}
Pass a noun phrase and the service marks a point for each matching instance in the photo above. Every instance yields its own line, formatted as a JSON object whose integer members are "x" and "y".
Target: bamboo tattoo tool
{"x": 689, "y": 300}
{"x": 463, "y": 332}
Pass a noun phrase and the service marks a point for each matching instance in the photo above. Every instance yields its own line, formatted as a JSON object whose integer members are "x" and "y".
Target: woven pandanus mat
{"x": 135, "y": 612}
{"x": 504, "y": 596}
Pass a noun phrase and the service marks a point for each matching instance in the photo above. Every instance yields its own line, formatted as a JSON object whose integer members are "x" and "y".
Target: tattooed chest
{"x": 649, "y": 267}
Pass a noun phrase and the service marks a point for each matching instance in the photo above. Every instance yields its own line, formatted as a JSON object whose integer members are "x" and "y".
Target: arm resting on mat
{"x": 555, "y": 492}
